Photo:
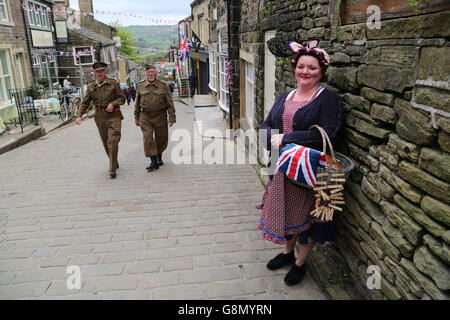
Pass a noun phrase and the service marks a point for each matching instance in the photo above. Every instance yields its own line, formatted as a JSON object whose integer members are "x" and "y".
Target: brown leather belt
{"x": 101, "y": 109}
{"x": 116, "y": 111}
{"x": 158, "y": 111}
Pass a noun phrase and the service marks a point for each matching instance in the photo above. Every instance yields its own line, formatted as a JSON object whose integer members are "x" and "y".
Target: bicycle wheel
{"x": 63, "y": 112}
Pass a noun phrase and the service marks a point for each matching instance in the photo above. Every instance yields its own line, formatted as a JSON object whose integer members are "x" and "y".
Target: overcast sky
{"x": 153, "y": 9}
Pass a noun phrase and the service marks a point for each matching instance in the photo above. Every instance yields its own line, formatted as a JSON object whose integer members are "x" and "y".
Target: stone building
{"x": 15, "y": 61}
{"x": 83, "y": 40}
{"x": 394, "y": 81}
{"x": 218, "y": 54}
{"x": 41, "y": 38}
{"x": 184, "y": 27}
{"x": 200, "y": 57}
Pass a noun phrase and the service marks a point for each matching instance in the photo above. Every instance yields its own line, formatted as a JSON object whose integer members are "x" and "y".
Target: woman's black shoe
{"x": 281, "y": 260}
{"x": 295, "y": 275}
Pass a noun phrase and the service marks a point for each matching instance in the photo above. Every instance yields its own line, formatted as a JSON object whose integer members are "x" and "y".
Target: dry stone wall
{"x": 394, "y": 82}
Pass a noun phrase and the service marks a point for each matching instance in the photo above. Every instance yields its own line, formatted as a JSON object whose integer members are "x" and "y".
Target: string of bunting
{"x": 78, "y": 53}
{"x": 27, "y": 6}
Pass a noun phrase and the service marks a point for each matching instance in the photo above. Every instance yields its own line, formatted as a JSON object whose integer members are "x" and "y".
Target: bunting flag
{"x": 51, "y": 54}
{"x": 27, "y": 6}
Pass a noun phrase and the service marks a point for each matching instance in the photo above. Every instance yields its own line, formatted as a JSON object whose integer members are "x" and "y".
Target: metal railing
{"x": 28, "y": 113}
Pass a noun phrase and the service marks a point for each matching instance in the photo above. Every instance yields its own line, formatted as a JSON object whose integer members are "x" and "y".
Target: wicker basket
{"x": 346, "y": 162}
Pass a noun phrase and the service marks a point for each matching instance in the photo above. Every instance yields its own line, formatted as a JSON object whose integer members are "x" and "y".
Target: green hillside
{"x": 154, "y": 37}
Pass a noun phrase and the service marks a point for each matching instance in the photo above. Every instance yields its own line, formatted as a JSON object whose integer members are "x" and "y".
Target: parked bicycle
{"x": 69, "y": 103}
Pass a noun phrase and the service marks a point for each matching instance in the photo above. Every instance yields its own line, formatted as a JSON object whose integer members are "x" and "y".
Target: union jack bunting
{"x": 185, "y": 47}
{"x": 300, "y": 163}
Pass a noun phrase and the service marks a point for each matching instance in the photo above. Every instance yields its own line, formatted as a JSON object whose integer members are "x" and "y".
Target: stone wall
{"x": 234, "y": 18}
{"x": 13, "y": 37}
{"x": 394, "y": 82}
{"x": 200, "y": 25}
{"x": 251, "y": 41}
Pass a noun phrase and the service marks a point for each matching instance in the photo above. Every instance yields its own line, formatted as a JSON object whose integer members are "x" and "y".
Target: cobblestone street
{"x": 181, "y": 232}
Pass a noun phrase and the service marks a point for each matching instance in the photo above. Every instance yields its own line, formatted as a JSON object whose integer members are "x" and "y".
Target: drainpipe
{"x": 230, "y": 107}
{"x": 25, "y": 22}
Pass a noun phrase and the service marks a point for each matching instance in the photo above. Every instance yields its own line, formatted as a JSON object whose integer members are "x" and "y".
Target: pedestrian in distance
{"x": 171, "y": 87}
{"x": 192, "y": 83}
{"x": 133, "y": 93}
{"x": 107, "y": 97}
{"x": 153, "y": 104}
{"x": 67, "y": 84}
{"x": 286, "y": 206}
{"x": 67, "y": 89}
{"x": 127, "y": 93}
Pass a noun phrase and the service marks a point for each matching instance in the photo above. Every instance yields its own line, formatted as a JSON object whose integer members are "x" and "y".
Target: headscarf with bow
{"x": 311, "y": 45}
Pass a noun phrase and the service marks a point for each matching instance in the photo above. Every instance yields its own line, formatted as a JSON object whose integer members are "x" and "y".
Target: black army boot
{"x": 153, "y": 165}
{"x": 160, "y": 162}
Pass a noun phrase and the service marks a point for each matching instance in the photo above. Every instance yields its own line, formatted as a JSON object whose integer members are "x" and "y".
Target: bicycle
{"x": 68, "y": 104}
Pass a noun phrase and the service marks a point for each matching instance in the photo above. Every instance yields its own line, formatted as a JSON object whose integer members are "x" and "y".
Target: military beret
{"x": 149, "y": 66}
{"x": 99, "y": 66}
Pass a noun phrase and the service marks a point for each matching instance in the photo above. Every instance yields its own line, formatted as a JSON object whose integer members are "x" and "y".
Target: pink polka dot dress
{"x": 286, "y": 207}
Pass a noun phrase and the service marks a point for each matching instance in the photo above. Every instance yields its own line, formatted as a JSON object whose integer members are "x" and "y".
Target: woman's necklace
{"x": 311, "y": 95}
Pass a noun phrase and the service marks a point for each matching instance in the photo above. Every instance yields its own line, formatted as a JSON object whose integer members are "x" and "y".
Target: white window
{"x": 83, "y": 55}
{"x": 6, "y": 79}
{"x": 212, "y": 71}
{"x": 38, "y": 15}
{"x": 4, "y": 13}
{"x": 45, "y": 68}
{"x": 224, "y": 93}
{"x": 249, "y": 93}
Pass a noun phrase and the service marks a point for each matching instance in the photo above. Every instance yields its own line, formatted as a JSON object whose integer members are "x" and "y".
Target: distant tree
{"x": 128, "y": 46}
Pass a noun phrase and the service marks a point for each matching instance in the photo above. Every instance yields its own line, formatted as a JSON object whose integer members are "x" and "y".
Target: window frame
{"x": 224, "y": 92}
{"x": 212, "y": 71}
{"x": 250, "y": 93}
{"x": 75, "y": 58}
{"x": 38, "y": 19}
{"x": 10, "y": 75}
{"x": 5, "y": 5}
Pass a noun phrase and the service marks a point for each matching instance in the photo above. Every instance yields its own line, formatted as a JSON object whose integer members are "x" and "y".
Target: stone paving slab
{"x": 182, "y": 232}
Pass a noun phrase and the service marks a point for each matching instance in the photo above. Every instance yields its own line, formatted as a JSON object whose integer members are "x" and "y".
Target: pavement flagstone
{"x": 185, "y": 231}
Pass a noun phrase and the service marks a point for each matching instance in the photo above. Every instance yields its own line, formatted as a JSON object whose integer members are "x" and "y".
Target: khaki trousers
{"x": 155, "y": 132}
{"x": 109, "y": 127}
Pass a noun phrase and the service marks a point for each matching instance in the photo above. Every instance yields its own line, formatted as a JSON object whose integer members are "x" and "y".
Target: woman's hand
{"x": 276, "y": 140}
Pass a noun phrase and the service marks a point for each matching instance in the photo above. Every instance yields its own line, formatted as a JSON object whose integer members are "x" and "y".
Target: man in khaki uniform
{"x": 107, "y": 96}
{"x": 153, "y": 102}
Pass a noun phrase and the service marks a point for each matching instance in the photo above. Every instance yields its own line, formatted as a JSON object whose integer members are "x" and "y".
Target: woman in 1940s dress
{"x": 286, "y": 207}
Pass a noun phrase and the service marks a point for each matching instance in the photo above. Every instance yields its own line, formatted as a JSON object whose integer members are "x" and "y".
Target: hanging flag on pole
{"x": 196, "y": 42}
{"x": 185, "y": 47}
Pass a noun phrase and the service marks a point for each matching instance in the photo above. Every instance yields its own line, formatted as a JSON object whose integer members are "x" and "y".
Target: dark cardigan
{"x": 325, "y": 110}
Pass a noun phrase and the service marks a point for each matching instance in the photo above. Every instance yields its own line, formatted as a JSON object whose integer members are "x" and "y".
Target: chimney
{"x": 86, "y": 6}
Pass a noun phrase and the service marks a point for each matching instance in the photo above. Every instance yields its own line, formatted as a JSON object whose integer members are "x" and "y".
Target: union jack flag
{"x": 185, "y": 47}
{"x": 300, "y": 163}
